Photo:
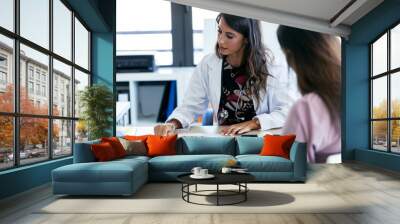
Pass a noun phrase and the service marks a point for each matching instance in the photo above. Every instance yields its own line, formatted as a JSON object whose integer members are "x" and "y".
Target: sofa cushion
{"x": 277, "y": 145}
{"x": 131, "y": 158}
{"x": 161, "y": 145}
{"x": 136, "y": 137}
{"x": 103, "y": 152}
{"x": 116, "y": 145}
{"x": 185, "y": 163}
{"x": 83, "y": 152}
{"x": 134, "y": 147}
{"x": 198, "y": 145}
{"x": 112, "y": 171}
{"x": 257, "y": 163}
{"x": 249, "y": 145}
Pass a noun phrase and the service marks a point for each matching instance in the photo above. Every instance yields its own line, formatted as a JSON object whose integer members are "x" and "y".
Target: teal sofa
{"x": 125, "y": 176}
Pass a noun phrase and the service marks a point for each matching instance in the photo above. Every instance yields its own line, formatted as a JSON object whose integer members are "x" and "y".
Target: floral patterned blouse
{"x": 235, "y": 105}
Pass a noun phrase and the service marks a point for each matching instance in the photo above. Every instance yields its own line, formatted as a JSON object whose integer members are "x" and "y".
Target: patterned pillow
{"x": 134, "y": 147}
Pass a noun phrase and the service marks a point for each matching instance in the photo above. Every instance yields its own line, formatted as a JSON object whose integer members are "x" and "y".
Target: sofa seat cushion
{"x": 133, "y": 158}
{"x": 185, "y": 163}
{"x": 257, "y": 163}
{"x": 112, "y": 171}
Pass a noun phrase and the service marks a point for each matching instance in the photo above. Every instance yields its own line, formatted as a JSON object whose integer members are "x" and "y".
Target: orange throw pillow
{"x": 103, "y": 152}
{"x": 136, "y": 137}
{"x": 161, "y": 145}
{"x": 277, "y": 145}
{"x": 116, "y": 145}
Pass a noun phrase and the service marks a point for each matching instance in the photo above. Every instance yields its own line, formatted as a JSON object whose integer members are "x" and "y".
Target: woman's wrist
{"x": 175, "y": 122}
{"x": 256, "y": 122}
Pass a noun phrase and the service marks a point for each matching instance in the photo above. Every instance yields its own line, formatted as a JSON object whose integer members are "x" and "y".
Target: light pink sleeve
{"x": 298, "y": 123}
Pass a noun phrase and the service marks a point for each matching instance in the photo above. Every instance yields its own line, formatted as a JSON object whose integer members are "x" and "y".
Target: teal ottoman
{"x": 118, "y": 177}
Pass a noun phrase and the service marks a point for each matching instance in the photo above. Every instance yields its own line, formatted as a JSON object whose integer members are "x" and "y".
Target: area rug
{"x": 167, "y": 198}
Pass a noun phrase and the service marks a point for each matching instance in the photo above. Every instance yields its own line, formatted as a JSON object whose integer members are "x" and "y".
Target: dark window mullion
{"x": 73, "y": 82}
{"x": 50, "y": 87}
{"x": 16, "y": 83}
{"x": 89, "y": 52}
{"x": 371, "y": 132}
{"x": 182, "y": 35}
{"x": 389, "y": 113}
{"x": 384, "y": 119}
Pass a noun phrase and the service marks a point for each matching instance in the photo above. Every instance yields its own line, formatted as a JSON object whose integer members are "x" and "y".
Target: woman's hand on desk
{"x": 240, "y": 128}
{"x": 167, "y": 128}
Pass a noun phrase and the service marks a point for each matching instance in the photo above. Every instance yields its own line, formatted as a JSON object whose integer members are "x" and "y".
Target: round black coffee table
{"x": 238, "y": 179}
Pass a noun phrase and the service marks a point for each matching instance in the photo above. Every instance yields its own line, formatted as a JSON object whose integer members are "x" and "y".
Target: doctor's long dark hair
{"x": 255, "y": 57}
{"x": 315, "y": 57}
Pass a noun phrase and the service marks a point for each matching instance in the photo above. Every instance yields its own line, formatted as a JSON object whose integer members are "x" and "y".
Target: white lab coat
{"x": 205, "y": 88}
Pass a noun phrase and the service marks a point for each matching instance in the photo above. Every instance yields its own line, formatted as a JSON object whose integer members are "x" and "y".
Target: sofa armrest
{"x": 298, "y": 155}
{"x": 83, "y": 152}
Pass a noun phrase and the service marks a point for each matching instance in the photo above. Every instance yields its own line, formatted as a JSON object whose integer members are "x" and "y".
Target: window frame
{"x": 16, "y": 115}
{"x": 388, "y": 74}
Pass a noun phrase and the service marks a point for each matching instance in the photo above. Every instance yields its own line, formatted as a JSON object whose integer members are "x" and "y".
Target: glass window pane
{"x": 379, "y": 55}
{"x": 34, "y": 96}
{"x": 7, "y": 14}
{"x": 6, "y": 142}
{"x": 395, "y": 94}
{"x": 62, "y": 138}
{"x": 35, "y": 21}
{"x": 395, "y": 136}
{"x": 198, "y": 41}
{"x": 153, "y": 35}
{"x": 81, "y": 131}
{"x": 62, "y": 29}
{"x": 62, "y": 89}
{"x": 81, "y": 81}
{"x": 204, "y": 32}
{"x": 81, "y": 45}
{"x": 379, "y": 135}
{"x": 33, "y": 139}
{"x": 200, "y": 16}
{"x": 144, "y": 42}
{"x": 130, "y": 14}
{"x": 379, "y": 98}
{"x": 395, "y": 47}
{"x": 6, "y": 74}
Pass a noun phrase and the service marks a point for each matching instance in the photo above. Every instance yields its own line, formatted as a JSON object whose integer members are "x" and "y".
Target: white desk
{"x": 179, "y": 74}
{"x": 198, "y": 131}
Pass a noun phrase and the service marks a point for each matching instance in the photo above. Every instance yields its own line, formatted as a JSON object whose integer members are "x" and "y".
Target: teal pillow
{"x": 249, "y": 145}
{"x": 195, "y": 145}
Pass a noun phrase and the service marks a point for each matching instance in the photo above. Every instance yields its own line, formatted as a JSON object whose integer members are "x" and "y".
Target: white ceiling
{"x": 320, "y": 9}
{"x": 316, "y": 15}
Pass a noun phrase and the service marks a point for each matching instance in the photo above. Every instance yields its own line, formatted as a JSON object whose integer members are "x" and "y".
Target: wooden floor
{"x": 378, "y": 188}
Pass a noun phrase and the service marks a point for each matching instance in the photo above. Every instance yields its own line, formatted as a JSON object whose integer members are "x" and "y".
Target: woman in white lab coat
{"x": 236, "y": 82}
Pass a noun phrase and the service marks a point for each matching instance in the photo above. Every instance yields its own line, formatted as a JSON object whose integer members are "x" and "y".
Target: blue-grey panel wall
{"x": 24, "y": 178}
{"x": 355, "y": 123}
{"x": 103, "y": 63}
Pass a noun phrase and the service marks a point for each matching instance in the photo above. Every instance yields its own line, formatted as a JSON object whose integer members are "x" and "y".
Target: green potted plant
{"x": 96, "y": 103}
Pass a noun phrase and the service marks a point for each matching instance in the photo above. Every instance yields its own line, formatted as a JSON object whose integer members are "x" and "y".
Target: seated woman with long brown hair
{"x": 315, "y": 118}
